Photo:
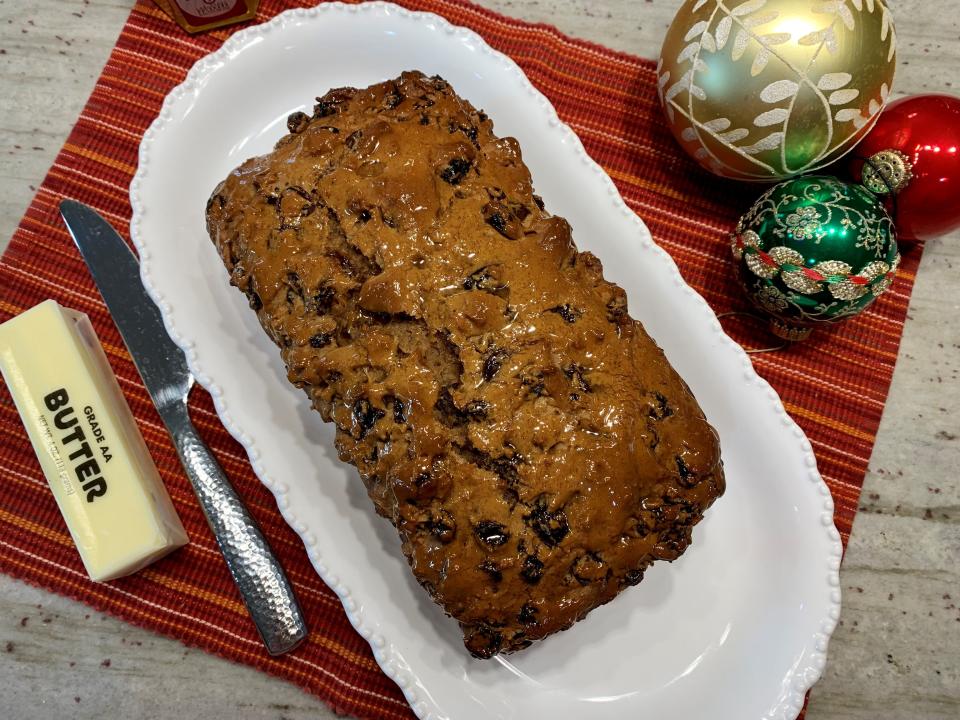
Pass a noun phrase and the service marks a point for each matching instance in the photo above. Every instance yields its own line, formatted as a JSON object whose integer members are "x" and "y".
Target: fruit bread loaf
{"x": 530, "y": 442}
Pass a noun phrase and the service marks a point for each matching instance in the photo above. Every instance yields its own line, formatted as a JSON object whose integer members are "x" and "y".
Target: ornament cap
{"x": 790, "y": 333}
{"x": 888, "y": 171}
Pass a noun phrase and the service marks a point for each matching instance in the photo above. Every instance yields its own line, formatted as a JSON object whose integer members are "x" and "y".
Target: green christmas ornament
{"x": 814, "y": 251}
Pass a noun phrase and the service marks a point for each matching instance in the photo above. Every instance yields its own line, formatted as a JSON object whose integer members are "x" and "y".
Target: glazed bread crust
{"x": 530, "y": 442}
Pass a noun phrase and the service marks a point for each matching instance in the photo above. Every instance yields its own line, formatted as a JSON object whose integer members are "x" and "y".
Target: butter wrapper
{"x": 95, "y": 460}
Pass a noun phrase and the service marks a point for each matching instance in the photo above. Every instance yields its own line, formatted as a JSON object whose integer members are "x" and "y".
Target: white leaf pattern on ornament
{"x": 834, "y": 81}
{"x": 679, "y": 86}
{"x": 740, "y": 44}
{"x": 770, "y": 142}
{"x": 717, "y": 124}
{"x": 827, "y": 35}
{"x": 722, "y": 31}
{"x": 662, "y": 81}
{"x": 701, "y": 3}
{"x": 696, "y": 30}
{"x": 777, "y": 38}
{"x": 688, "y": 52}
{"x": 776, "y": 116}
{"x": 748, "y": 7}
{"x": 757, "y": 20}
{"x": 760, "y": 61}
{"x": 848, "y": 114}
{"x": 846, "y": 16}
{"x": 830, "y": 41}
{"x": 813, "y": 38}
{"x": 843, "y": 97}
{"x": 734, "y": 135}
{"x": 707, "y": 42}
{"x": 778, "y": 91}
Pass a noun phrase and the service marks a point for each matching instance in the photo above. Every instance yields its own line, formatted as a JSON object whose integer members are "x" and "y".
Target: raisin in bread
{"x": 530, "y": 442}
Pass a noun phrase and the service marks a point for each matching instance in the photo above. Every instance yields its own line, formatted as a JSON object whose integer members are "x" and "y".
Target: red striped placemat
{"x": 834, "y": 385}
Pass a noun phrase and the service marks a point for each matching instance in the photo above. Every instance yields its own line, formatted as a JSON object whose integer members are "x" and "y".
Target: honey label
{"x": 199, "y": 15}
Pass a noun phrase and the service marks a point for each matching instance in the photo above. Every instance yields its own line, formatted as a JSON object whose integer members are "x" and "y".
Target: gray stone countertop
{"x": 896, "y": 653}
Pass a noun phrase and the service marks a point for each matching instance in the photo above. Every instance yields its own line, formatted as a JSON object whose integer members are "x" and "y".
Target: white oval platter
{"x": 737, "y": 628}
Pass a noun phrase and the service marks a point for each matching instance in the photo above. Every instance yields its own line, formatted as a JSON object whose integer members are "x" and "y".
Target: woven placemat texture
{"x": 834, "y": 385}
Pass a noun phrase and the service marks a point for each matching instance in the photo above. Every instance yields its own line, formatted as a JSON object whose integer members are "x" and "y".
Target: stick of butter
{"x": 97, "y": 465}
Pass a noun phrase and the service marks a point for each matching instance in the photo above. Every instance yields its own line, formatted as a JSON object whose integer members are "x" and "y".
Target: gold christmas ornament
{"x": 766, "y": 89}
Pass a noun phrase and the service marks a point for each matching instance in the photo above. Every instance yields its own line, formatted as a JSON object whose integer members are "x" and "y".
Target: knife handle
{"x": 262, "y": 583}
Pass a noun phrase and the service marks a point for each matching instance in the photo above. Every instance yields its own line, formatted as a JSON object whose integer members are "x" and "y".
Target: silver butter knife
{"x": 163, "y": 367}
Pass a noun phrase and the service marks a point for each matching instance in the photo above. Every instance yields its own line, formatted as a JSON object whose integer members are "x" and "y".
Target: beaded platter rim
{"x": 800, "y": 677}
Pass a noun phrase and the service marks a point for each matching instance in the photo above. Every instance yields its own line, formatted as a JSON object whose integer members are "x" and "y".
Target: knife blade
{"x": 262, "y": 583}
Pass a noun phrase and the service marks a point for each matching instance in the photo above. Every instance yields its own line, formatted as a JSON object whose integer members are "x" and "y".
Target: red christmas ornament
{"x": 912, "y": 156}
